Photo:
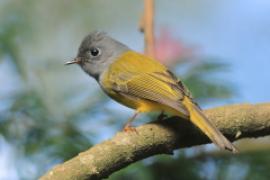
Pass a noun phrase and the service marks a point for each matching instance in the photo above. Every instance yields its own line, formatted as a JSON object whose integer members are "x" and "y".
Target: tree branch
{"x": 161, "y": 137}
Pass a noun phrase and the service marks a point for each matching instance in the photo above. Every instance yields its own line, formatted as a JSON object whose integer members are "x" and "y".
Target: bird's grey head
{"x": 96, "y": 52}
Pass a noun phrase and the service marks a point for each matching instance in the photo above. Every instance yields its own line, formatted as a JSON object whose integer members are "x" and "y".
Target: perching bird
{"x": 141, "y": 83}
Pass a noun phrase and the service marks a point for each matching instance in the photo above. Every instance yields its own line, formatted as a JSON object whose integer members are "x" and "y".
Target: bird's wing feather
{"x": 143, "y": 78}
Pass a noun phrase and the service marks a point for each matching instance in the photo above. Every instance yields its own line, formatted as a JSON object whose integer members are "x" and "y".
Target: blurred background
{"x": 50, "y": 112}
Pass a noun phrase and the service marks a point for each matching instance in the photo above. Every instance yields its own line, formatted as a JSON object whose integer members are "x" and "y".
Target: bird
{"x": 141, "y": 83}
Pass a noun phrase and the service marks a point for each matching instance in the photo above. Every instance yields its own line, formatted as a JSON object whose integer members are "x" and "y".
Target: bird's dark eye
{"x": 94, "y": 51}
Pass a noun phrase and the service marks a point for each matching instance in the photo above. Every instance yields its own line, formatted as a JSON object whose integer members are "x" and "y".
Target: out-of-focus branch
{"x": 235, "y": 121}
{"x": 147, "y": 26}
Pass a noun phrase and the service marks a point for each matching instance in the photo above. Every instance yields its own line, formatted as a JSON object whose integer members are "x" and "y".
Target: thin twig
{"x": 146, "y": 25}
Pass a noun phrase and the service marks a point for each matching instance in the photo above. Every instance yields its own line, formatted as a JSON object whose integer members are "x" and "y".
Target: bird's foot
{"x": 129, "y": 128}
{"x": 162, "y": 116}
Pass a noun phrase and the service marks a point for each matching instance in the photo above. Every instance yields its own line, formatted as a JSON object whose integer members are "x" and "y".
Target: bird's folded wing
{"x": 160, "y": 87}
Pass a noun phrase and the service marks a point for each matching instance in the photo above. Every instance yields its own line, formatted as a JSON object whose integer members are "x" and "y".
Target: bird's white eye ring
{"x": 94, "y": 51}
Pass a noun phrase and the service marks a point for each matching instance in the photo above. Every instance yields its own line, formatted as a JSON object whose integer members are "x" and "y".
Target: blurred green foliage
{"x": 205, "y": 83}
{"x": 52, "y": 114}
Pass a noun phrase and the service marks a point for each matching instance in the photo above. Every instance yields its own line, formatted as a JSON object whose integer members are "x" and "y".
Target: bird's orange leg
{"x": 128, "y": 126}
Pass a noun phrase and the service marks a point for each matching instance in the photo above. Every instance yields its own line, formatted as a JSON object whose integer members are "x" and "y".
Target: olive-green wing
{"x": 138, "y": 76}
{"x": 155, "y": 86}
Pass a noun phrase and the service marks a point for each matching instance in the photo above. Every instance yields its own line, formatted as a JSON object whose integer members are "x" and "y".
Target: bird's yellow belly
{"x": 142, "y": 105}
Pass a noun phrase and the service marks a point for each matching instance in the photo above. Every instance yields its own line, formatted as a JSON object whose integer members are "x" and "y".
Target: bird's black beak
{"x": 77, "y": 60}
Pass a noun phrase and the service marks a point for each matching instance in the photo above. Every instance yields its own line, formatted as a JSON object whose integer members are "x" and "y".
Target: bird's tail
{"x": 202, "y": 122}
